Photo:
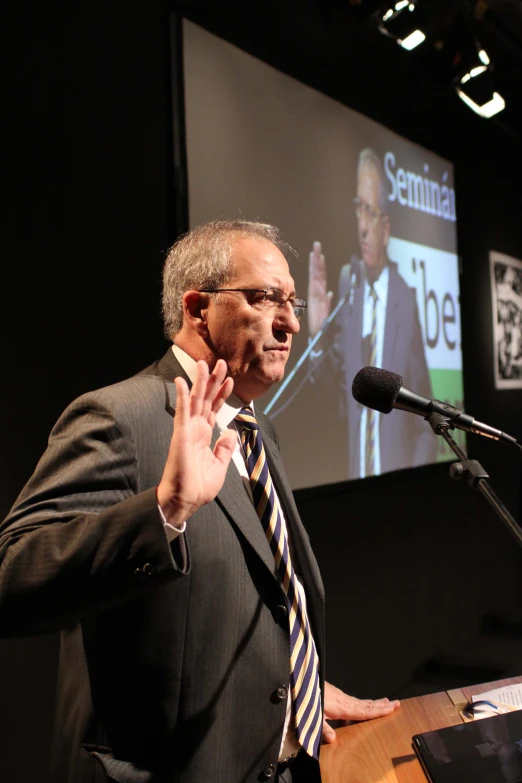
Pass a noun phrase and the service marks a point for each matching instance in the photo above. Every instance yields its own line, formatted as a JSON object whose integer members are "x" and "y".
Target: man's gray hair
{"x": 368, "y": 157}
{"x": 202, "y": 258}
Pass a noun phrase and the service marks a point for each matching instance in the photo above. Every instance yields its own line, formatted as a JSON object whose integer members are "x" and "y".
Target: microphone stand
{"x": 474, "y": 473}
{"x": 349, "y": 281}
{"x": 327, "y": 324}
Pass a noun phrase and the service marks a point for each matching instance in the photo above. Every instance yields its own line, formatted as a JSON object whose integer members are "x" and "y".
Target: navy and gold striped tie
{"x": 369, "y": 462}
{"x": 304, "y": 663}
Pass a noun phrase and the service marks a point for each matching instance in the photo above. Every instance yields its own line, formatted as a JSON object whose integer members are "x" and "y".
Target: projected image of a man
{"x": 379, "y": 326}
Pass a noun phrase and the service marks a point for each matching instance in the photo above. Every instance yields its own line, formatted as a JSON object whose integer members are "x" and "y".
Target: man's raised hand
{"x": 194, "y": 473}
{"x": 319, "y": 298}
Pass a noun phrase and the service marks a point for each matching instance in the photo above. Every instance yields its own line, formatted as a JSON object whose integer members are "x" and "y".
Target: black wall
{"x": 90, "y": 213}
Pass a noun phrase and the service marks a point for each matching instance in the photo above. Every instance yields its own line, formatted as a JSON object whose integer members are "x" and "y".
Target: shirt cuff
{"x": 171, "y": 531}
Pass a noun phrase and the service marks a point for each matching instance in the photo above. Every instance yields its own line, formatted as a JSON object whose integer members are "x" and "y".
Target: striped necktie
{"x": 370, "y": 414}
{"x": 304, "y": 663}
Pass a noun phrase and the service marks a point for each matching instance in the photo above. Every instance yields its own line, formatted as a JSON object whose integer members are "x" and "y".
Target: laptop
{"x": 483, "y": 751}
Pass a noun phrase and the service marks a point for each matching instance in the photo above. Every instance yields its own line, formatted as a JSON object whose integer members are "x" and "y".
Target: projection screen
{"x": 263, "y": 146}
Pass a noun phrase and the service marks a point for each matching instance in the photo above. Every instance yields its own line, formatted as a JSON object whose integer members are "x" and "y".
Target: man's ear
{"x": 195, "y": 311}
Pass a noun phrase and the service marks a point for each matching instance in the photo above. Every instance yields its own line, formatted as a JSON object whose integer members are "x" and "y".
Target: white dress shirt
{"x": 381, "y": 289}
{"x": 226, "y": 418}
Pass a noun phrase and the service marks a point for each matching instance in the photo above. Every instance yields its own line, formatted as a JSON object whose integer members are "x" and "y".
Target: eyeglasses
{"x": 363, "y": 209}
{"x": 266, "y": 298}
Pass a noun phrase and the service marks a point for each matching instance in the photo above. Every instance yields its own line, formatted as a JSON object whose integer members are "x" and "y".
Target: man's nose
{"x": 286, "y": 319}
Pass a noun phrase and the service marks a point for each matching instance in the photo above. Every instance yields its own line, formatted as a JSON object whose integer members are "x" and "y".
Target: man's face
{"x": 373, "y": 227}
{"x": 254, "y": 337}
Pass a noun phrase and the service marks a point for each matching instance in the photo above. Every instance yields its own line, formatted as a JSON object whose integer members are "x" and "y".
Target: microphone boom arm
{"x": 474, "y": 472}
{"x": 327, "y": 324}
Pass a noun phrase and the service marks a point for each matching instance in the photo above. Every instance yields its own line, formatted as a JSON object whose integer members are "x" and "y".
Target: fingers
{"x": 328, "y": 733}
{"x": 385, "y": 703}
{"x": 199, "y": 387}
{"x": 210, "y": 390}
{"x": 213, "y": 384}
{"x": 316, "y": 249}
{"x": 346, "y": 707}
{"x": 182, "y": 400}
{"x": 317, "y": 262}
{"x": 379, "y": 707}
{"x": 223, "y": 394}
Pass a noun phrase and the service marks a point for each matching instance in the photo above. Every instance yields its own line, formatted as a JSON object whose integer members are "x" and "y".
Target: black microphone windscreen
{"x": 376, "y": 388}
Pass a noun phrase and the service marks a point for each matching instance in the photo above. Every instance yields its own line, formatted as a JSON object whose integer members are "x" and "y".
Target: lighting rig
{"x": 412, "y": 25}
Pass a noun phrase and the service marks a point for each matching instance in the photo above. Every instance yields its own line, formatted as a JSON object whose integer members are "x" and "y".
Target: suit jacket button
{"x": 279, "y": 694}
{"x": 268, "y": 772}
{"x": 144, "y": 571}
{"x": 280, "y": 614}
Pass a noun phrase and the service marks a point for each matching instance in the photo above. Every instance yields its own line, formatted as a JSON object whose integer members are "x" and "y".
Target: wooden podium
{"x": 380, "y": 751}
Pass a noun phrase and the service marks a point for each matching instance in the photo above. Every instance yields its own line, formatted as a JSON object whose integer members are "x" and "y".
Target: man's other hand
{"x": 340, "y": 706}
{"x": 319, "y": 299}
{"x": 194, "y": 473}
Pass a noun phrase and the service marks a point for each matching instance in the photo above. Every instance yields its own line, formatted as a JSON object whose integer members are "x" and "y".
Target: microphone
{"x": 383, "y": 390}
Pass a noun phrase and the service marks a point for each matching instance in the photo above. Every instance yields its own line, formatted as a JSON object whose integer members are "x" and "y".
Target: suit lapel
{"x": 299, "y": 537}
{"x": 169, "y": 368}
{"x": 305, "y": 562}
{"x": 236, "y": 503}
{"x": 352, "y": 358}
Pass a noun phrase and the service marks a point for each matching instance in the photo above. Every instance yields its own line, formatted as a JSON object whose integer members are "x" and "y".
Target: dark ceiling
{"x": 495, "y": 24}
{"x": 335, "y": 46}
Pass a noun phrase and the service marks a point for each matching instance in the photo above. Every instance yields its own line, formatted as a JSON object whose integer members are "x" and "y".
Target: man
{"x": 379, "y": 326}
{"x": 140, "y": 541}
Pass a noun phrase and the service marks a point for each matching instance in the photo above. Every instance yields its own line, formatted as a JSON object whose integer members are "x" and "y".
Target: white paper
{"x": 505, "y": 699}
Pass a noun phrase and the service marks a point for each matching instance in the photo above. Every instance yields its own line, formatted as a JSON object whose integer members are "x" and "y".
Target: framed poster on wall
{"x": 506, "y": 294}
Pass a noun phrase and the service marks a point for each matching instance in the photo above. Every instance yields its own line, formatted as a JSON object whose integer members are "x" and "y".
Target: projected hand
{"x": 319, "y": 299}
{"x": 194, "y": 473}
{"x": 339, "y": 706}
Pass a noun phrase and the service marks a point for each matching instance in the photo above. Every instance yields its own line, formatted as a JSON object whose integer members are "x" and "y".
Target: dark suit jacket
{"x": 405, "y": 440}
{"x": 171, "y": 654}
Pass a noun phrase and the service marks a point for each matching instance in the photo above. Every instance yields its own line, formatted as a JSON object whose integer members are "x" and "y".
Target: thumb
{"x": 329, "y": 297}
{"x": 328, "y": 732}
{"x": 225, "y": 445}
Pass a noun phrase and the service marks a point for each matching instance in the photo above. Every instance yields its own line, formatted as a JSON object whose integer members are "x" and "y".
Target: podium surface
{"x": 380, "y": 750}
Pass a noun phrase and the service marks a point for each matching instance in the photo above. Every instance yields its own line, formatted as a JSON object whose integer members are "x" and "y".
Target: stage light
{"x": 487, "y": 110}
{"x": 465, "y": 64}
{"x": 403, "y": 22}
{"x": 413, "y": 40}
{"x": 473, "y": 79}
{"x": 477, "y": 89}
{"x": 472, "y": 73}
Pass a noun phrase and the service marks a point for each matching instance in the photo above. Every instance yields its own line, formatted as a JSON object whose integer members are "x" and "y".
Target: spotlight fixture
{"x": 476, "y": 87}
{"x": 480, "y": 95}
{"x": 404, "y": 22}
{"x": 466, "y": 66}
